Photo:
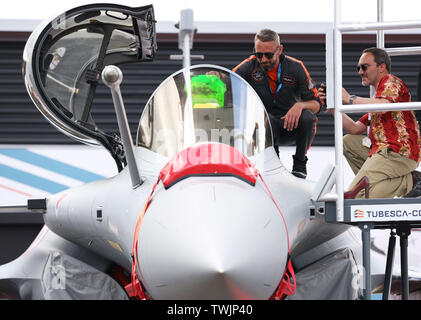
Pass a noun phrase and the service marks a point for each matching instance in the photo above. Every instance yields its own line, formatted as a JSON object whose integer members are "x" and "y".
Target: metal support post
{"x": 379, "y": 36}
{"x": 389, "y": 265}
{"x": 337, "y": 42}
{"x": 380, "y": 33}
{"x": 185, "y": 37}
{"x": 403, "y": 233}
{"x": 112, "y": 77}
{"x": 365, "y": 229}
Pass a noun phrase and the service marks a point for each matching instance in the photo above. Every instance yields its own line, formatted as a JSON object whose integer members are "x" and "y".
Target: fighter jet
{"x": 201, "y": 208}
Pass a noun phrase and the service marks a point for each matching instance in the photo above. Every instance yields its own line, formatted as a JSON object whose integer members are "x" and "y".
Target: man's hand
{"x": 321, "y": 92}
{"x": 322, "y": 95}
{"x": 293, "y": 116}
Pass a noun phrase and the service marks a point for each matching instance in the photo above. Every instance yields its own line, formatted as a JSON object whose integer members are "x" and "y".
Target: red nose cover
{"x": 211, "y": 159}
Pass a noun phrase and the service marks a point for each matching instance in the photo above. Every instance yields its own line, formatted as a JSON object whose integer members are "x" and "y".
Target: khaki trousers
{"x": 388, "y": 172}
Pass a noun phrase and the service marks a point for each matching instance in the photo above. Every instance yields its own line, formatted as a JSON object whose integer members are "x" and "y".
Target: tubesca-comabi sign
{"x": 386, "y": 212}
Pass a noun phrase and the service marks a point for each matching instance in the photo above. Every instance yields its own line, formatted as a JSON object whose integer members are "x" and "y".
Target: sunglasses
{"x": 268, "y": 55}
{"x": 363, "y": 66}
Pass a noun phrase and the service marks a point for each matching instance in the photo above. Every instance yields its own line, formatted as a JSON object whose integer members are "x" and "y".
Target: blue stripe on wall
{"x": 31, "y": 180}
{"x": 51, "y": 164}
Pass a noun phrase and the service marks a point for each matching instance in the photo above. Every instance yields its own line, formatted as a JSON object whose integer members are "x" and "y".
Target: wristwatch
{"x": 352, "y": 97}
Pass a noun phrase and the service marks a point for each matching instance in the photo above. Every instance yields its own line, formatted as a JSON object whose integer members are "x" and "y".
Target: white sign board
{"x": 386, "y": 212}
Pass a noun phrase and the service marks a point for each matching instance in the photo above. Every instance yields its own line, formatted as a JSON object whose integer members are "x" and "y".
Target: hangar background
{"x": 21, "y": 123}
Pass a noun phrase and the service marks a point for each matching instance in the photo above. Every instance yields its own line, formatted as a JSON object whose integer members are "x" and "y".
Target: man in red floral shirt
{"x": 392, "y": 151}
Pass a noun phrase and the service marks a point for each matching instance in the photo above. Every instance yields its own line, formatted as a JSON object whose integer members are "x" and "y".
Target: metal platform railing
{"x": 338, "y": 209}
{"x": 334, "y": 79}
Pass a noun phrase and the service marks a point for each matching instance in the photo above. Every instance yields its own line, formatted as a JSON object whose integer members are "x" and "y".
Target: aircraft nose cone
{"x": 207, "y": 238}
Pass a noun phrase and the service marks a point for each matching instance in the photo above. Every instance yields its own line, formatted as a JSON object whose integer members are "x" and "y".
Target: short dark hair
{"x": 380, "y": 56}
{"x": 266, "y": 35}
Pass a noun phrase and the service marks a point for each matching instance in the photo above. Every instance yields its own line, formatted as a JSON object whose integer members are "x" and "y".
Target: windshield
{"x": 204, "y": 104}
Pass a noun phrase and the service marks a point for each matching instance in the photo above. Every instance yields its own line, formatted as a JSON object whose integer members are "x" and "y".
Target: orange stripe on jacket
{"x": 246, "y": 60}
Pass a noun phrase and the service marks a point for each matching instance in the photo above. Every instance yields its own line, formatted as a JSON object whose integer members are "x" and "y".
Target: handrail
{"x": 379, "y": 107}
{"x": 403, "y": 51}
{"x": 372, "y": 26}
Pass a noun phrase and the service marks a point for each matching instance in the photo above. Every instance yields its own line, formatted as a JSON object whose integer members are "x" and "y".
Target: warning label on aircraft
{"x": 386, "y": 212}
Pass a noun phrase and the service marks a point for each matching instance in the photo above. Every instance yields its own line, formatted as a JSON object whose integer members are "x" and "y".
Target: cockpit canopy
{"x": 204, "y": 103}
{"x": 64, "y": 58}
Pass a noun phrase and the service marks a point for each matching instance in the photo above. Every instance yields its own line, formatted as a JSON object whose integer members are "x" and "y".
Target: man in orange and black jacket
{"x": 288, "y": 93}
